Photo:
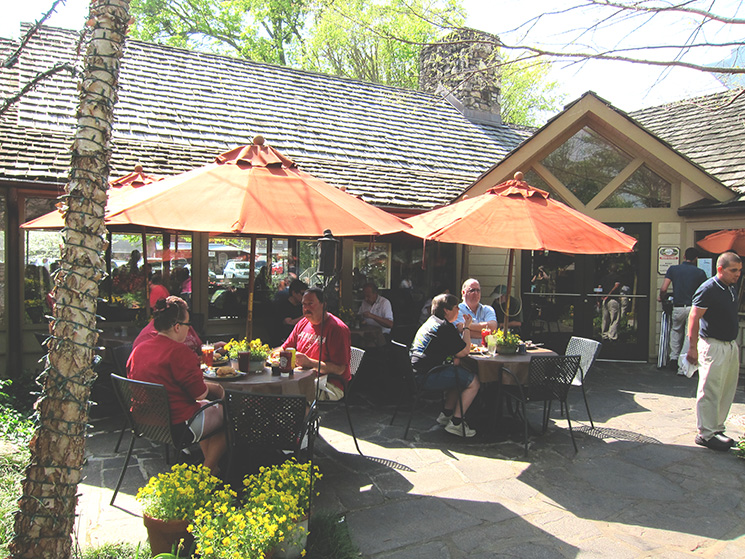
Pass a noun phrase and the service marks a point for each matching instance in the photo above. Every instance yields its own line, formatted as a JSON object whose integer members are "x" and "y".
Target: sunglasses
{"x": 184, "y": 323}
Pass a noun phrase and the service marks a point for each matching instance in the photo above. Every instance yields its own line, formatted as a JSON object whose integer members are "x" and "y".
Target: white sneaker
{"x": 458, "y": 429}
{"x": 443, "y": 419}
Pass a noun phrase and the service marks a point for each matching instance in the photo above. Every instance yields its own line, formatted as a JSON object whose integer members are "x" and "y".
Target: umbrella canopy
{"x": 723, "y": 241}
{"x": 132, "y": 181}
{"x": 515, "y": 215}
{"x": 251, "y": 190}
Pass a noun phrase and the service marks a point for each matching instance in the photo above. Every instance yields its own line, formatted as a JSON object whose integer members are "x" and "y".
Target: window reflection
{"x": 586, "y": 163}
{"x": 643, "y": 189}
{"x": 41, "y": 259}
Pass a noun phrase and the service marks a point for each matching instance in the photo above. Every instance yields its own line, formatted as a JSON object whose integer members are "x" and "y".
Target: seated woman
{"x": 436, "y": 342}
{"x": 165, "y": 359}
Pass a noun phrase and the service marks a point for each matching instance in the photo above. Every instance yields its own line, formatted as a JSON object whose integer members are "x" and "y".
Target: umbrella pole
{"x": 251, "y": 279}
{"x": 509, "y": 288}
{"x": 145, "y": 273}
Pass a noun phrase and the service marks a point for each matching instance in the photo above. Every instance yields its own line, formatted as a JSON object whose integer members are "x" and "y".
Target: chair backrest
{"x": 588, "y": 350}
{"x": 146, "y": 406}
{"x": 273, "y": 421}
{"x": 356, "y": 359}
{"x": 121, "y": 355}
{"x": 553, "y": 374}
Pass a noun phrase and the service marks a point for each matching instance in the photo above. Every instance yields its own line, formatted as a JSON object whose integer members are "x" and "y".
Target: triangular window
{"x": 643, "y": 189}
{"x": 586, "y": 163}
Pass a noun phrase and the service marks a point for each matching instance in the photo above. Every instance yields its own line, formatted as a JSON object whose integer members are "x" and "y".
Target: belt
{"x": 679, "y": 306}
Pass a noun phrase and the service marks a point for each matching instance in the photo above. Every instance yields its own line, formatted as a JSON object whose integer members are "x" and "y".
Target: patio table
{"x": 300, "y": 383}
{"x": 490, "y": 368}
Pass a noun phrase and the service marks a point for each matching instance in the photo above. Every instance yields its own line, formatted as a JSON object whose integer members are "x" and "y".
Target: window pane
{"x": 127, "y": 284}
{"x": 41, "y": 258}
{"x": 586, "y": 163}
{"x": 3, "y": 225}
{"x": 643, "y": 189}
{"x": 534, "y": 180}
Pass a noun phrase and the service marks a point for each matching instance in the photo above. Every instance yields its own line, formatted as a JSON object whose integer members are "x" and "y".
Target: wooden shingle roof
{"x": 709, "y": 130}
{"x": 177, "y": 109}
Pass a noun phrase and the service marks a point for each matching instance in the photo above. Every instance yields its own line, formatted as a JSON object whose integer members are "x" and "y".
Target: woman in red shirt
{"x": 165, "y": 359}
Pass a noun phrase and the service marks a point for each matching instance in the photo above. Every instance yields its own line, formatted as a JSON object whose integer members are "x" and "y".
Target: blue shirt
{"x": 720, "y": 301}
{"x": 686, "y": 278}
{"x": 484, "y": 313}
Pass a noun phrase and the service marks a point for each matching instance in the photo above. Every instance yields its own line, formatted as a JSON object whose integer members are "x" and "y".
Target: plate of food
{"x": 478, "y": 350}
{"x": 218, "y": 361}
{"x": 226, "y": 372}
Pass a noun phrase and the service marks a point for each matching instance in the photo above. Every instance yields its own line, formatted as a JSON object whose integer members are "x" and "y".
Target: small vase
{"x": 256, "y": 366}
{"x": 294, "y": 543}
{"x": 164, "y": 534}
{"x": 506, "y": 349}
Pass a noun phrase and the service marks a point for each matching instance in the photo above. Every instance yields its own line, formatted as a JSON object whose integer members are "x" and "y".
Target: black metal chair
{"x": 120, "y": 355}
{"x": 588, "y": 351}
{"x": 148, "y": 414}
{"x": 402, "y": 362}
{"x": 356, "y": 358}
{"x": 262, "y": 423}
{"x": 549, "y": 379}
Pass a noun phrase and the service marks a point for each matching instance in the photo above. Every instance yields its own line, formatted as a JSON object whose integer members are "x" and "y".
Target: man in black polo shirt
{"x": 712, "y": 330}
{"x": 686, "y": 278}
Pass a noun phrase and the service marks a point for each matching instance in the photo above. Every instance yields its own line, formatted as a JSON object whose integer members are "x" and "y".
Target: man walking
{"x": 712, "y": 330}
{"x": 686, "y": 278}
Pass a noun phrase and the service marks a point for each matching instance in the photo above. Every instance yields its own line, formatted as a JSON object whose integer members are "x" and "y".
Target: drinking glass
{"x": 208, "y": 353}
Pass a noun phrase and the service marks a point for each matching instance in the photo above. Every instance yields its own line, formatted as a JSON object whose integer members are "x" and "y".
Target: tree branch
{"x": 13, "y": 57}
{"x": 35, "y": 81}
{"x": 680, "y": 8}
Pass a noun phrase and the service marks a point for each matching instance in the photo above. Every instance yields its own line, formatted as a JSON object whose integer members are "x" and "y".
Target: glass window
{"x": 42, "y": 251}
{"x": 586, "y": 163}
{"x": 373, "y": 261}
{"x": 535, "y": 180}
{"x": 643, "y": 189}
{"x": 3, "y": 226}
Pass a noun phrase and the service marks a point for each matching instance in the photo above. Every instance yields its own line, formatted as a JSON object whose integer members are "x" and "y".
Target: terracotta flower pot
{"x": 163, "y": 534}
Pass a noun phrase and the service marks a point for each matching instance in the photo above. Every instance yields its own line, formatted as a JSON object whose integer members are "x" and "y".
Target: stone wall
{"x": 464, "y": 65}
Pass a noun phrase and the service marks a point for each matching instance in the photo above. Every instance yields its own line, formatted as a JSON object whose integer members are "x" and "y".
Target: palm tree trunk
{"x": 44, "y": 522}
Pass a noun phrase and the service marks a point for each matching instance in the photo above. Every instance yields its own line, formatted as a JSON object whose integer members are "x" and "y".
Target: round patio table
{"x": 300, "y": 383}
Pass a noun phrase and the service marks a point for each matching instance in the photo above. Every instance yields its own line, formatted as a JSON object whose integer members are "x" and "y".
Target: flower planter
{"x": 256, "y": 366}
{"x": 294, "y": 543}
{"x": 163, "y": 535}
{"x": 506, "y": 349}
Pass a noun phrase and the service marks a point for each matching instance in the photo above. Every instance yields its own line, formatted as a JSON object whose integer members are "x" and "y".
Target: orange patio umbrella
{"x": 515, "y": 215}
{"x": 132, "y": 181}
{"x": 723, "y": 241}
{"x": 252, "y": 190}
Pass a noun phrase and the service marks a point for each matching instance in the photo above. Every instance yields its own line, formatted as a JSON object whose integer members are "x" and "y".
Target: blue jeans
{"x": 451, "y": 376}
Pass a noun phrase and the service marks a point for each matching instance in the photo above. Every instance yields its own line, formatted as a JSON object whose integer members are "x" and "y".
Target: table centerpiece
{"x": 507, "y": 342}
{"x": 247, "y": 356}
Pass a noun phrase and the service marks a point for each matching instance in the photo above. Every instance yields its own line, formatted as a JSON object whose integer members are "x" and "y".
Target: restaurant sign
{"x": 667, "y": 256}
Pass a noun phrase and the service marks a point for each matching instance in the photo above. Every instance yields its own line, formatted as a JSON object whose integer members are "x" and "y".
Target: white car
{"x": 237, "y": 269}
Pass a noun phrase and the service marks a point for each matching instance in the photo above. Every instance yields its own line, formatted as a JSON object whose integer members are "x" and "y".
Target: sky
{"x": 627, "y": 86}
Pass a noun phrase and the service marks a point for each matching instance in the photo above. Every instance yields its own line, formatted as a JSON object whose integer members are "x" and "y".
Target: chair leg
{"x": 411, "y": 414}
{"x": 351, "y": 427}
{"x": 587, "y": 405}
{"x": 121, "y": 435}
{"x": 525, "y": 423}
{"x": 124, "y": 469}
{"x": 571, "y": 432}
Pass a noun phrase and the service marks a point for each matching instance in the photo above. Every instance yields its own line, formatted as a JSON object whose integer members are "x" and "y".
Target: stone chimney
{"x": 464, "y": 68}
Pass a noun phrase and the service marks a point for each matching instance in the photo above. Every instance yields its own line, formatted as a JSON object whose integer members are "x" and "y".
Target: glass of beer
{"x": 208, "y": 353}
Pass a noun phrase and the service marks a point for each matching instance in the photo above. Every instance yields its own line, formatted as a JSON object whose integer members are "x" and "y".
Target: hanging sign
{"x": 666, "y": 257}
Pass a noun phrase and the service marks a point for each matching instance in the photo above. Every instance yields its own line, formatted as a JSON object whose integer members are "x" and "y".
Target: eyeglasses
{"x": 474, "y": 290}
{"x": 184, "y": 323}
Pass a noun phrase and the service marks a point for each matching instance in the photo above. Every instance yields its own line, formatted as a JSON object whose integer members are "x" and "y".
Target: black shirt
{"x": 720, "y": 301}
{"x": 435, "y": 341}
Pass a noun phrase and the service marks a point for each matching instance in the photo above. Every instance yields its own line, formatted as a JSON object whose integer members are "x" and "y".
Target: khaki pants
{"x": 718, "y": 372}
{"x": 678, "y": 330}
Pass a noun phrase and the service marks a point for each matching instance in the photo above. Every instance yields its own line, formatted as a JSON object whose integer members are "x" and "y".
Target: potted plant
{"x": 507, "y": 342}
{"x": 254, "y": 351}
{"x": 169, "y": 502}
{"x": 268, "y": 523}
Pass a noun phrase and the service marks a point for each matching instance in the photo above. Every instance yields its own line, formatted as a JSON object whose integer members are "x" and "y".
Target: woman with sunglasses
{"x": 165, "y": 359}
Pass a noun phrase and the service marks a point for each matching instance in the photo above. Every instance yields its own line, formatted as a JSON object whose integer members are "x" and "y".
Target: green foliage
{"x": 376, "y": 42}
{"x": 527, "y": 93}
{"x": 13, "y": 460}
{"x": 118, "y": 550}
{"x": 328, "y": 537}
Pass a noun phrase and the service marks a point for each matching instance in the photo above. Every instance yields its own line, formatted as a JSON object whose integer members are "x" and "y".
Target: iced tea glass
{"x": 208, "y": 354}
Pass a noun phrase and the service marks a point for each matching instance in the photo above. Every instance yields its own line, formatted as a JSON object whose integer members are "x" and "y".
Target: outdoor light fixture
{"x": 327, "y": 254}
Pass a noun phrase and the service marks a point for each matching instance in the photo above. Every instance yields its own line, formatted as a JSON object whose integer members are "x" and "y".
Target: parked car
{"x": 237, "y": 269}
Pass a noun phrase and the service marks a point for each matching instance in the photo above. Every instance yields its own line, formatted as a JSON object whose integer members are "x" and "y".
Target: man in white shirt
{"x": 375, "y": 309}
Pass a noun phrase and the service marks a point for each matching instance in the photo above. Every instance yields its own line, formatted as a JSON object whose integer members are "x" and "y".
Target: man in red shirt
{"x": 337, "y": 344}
